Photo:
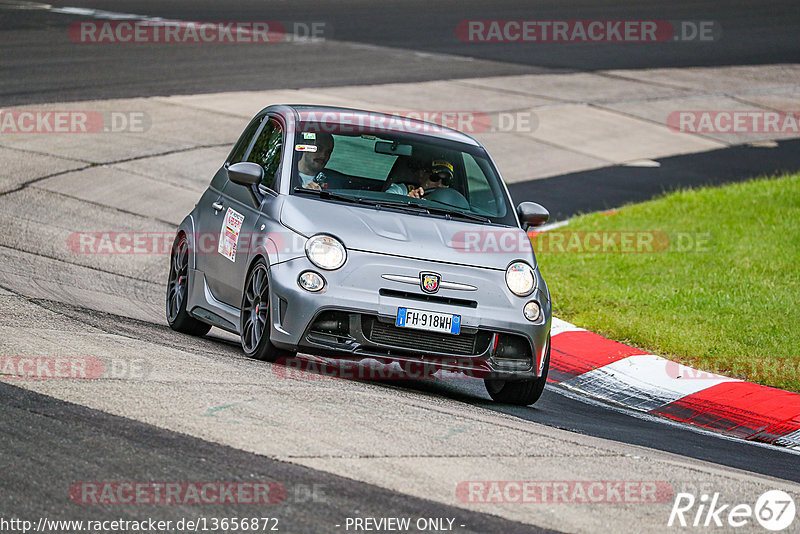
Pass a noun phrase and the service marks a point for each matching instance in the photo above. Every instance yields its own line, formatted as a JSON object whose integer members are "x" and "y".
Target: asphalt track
{"x": 82, "y": 443}
{"x": 555, "y": 408}
{"x": 44, "y": 439}
{"x": 612, "y": 187}
{"x": 396, "y": 41}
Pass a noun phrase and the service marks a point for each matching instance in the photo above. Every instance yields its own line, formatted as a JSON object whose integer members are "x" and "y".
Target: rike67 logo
{"x": 774, "y": 510}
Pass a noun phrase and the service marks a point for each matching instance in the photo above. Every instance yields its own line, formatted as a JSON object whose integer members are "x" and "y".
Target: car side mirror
{"x": 532, "y": 214}
{"x": 246, "y": 173}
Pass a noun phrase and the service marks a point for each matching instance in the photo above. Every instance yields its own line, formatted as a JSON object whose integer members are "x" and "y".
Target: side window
{"x": 267, "y": 152}
{"x": 482, "y": 198}
{"x": 243, "y": 145}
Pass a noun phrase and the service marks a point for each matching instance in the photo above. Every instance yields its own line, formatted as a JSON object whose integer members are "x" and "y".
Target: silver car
{"x": 357, "y": 235}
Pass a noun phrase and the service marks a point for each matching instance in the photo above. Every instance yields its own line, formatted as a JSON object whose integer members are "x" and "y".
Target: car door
{"x": 209, "y": 211}
{"x": 238, "y": 218}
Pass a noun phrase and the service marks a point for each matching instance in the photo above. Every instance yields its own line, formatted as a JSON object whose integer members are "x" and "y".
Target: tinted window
{"x": 482, "y": 197}
{"x": 242, "y": 147}
{"x": 266, "y": 152}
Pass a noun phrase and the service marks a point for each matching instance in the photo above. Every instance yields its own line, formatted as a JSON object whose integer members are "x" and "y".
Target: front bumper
{"x": 354, "y": 315}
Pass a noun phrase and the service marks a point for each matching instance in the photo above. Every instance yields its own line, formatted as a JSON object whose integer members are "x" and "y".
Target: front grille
{"x": 406, "y": 338}
{"x": 427, "y": 298}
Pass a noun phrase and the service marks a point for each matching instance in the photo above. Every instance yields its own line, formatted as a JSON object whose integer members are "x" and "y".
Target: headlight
{"x": 310, "y": 281}
{"x": 532, "y": 311}
{"x": 519, "y": 278}
{"x": 326, "y": 252}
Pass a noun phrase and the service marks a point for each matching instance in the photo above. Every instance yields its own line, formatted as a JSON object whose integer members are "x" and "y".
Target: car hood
{"x": 422, "y": 237}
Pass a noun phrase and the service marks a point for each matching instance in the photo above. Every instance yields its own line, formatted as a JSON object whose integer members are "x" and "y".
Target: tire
{"x": 177, "y": 291}
{"x": 255, "y": 317}
{"x": 520, "y": 392}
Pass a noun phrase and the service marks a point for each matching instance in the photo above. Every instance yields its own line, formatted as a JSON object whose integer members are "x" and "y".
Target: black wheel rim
{"x": 177, "y": 284}
{"x": 255, "y": 309}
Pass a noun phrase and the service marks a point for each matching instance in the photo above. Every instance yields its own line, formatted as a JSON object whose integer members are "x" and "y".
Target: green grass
{"x": 730, "y": 305}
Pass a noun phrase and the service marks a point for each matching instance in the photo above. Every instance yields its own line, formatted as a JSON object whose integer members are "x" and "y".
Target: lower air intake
{"x": 406, "y": 338}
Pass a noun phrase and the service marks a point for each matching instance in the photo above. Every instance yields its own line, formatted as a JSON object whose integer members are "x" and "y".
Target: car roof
{"x": 386, "y": 122}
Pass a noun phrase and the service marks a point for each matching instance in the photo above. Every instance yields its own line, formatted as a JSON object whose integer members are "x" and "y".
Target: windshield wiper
{"x": 433, "y": 210}
{"x": 328, "y": 194}
{"x": 455, "y": 213}
{"x": 407, "y": 206}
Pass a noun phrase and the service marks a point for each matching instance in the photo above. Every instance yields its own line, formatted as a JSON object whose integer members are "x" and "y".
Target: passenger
{"x": 312, "y": 164}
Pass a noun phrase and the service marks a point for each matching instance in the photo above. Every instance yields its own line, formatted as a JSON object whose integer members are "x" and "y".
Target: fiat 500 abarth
{"x": 351, "y": 234}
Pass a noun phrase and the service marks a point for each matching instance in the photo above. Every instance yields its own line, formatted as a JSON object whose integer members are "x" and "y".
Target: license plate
{"x": 428, "y": 320}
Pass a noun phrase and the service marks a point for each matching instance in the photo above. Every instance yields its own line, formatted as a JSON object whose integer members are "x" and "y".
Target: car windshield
{"x": 409, "y": 171}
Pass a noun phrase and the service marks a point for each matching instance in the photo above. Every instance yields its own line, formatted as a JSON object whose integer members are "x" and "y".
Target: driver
{"x": 423, "y": 176}
{"x": 440, "y": 175}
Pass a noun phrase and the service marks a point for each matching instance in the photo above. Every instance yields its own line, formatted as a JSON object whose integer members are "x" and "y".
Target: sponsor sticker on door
{"x": 229, "y": 235}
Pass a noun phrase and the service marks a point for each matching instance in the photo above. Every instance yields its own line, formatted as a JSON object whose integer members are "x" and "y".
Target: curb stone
{"x": 592, "y": 365}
